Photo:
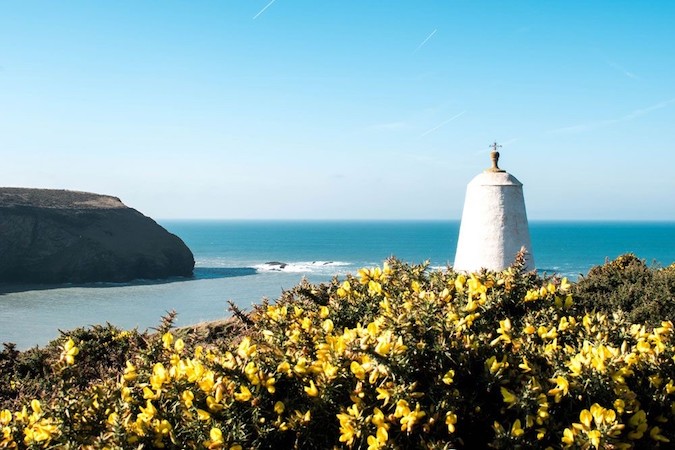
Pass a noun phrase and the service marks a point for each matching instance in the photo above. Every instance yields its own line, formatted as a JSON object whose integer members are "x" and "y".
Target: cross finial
{"x": 494, "y": 155}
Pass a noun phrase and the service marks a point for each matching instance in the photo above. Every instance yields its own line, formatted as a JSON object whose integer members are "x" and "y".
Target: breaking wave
{"x": 327, "y": 267}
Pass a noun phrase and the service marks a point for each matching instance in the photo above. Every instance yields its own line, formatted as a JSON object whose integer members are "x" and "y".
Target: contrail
{"x": 425, "y": 41}
{"x": 603, "y": 123}
{"x": 263, "y": 10}
{"x": 441, "y": 124}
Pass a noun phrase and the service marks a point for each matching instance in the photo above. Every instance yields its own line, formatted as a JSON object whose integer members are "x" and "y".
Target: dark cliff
{"x": 57, "y": 236}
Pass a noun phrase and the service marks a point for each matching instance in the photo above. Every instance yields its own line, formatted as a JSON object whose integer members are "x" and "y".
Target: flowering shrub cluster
{"x": 393, "y": 357}
{"x": 628, "y": 284}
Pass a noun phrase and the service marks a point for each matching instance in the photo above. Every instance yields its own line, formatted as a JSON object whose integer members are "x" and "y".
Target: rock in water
{"x": 58, "y": 236}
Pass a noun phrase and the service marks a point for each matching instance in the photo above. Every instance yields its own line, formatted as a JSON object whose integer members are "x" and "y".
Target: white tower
{"x": 494, "y": 222}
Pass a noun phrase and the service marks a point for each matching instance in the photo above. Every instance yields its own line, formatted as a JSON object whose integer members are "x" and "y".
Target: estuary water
{"x": 245, "y": 261}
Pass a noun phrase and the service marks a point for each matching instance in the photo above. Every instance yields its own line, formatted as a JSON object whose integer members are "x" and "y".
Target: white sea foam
{"x": 303, "y": 267}
{"x": 213, "y": 262}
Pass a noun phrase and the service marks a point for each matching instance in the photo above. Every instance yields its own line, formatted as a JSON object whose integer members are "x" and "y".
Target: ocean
{"x": 245, "y": 261}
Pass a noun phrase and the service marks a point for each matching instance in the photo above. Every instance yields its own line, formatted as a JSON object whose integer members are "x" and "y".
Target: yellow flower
{"x": 300, "y": 367}
{"x": 495, "y": 366}
{"x": 445, "y": 295}
{"x": 541, "y": 434}
{"x": 531, "y": 295}
{"x": 377, "y": 418}
{"x": 149, "y": 394}
{"x": 383, "y": 394}
{"x": 525, "y": 365}
{"x": 167, "y": 340}
{"x": 279, "y": 407}
{"x": 179, "y": 345}
{"x": 655, "y": 434}
{"x": 450, "y": 421}
{"x": 471, "y": 306}
{"x": 565, "y": 285}
{"x": 130, "y": 372}
{"x": 113, "y": 418}
{"x": 504, "y": 331}
{"x": 594, "y": 436}
{"x": 216, "y": 440}
{"x": 383, "y": 345}
{"x": 284, "y": 368}
{"x": 586, "y": 417}
{"x": 449, "y": 376}
{"x": 187, "y": 397}
{"x": 509, "y": 397}
{"x": 399, "y": 347}
{"x": 344, "y": 290}
{"x": 5, "y": 417}
{"x": 207, "y": 381}
{"x": 213, "y": 404}
{"x": 159, "y": 376}
{"x": 382, "y": 435}
{"x": 40, "y": 432}
{"x": 347, "y": 430}
{"x": 374, "y": 443}
{"x": 568, "y": 436}
{"x": 269, "y": 384}
{"x": 516, "y": 429}
{"x": 374, "y": 288}
{"x": 409, "y": 419}
{"x": 544, "y": 333}
{"x": 243, "y": 395}
{"x": 561, "y": 389}
{"x": 69, "y": 352}
{"x": 327, "y": 325}
{"x": 638, "y": 422}
{"x": 251, "y": 371}
{"x": 148, "y": 412}
{"x": 245, "y": 349}
{"x": 36, "y": 406}
{"x": 459, "y": 282}
{"x": 311, "y": 390}
{"x": 276, "y": 313}
{"x": 162, "y": 427}
{"x": 125, "y": 394}
{"x": 357, "y": 370}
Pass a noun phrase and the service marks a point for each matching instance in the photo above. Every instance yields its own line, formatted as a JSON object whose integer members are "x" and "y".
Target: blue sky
{"x": 341, "y": 109}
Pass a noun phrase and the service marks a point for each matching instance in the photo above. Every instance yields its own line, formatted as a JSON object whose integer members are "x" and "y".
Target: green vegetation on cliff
{"x": 396, "y": 356}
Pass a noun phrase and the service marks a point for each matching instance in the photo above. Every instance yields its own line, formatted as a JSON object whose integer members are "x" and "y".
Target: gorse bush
{"x": 629, "y": 285}
{"x": 396, "y": 356}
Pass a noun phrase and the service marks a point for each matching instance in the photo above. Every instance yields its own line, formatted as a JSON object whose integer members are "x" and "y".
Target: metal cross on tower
{"x": 494, "y": 155}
